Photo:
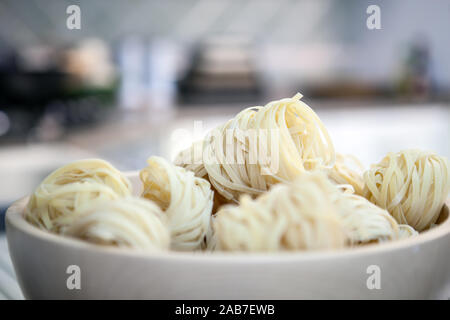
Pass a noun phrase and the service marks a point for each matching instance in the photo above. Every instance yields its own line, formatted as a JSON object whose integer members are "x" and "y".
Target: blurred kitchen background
{"x": 138, "y": 76}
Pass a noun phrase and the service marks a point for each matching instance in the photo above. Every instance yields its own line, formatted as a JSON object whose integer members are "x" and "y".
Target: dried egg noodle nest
{"x": 192, "y": 159}
{"x": 70, "y": 187}
{"x": 364, "y": 222}
{"x": 94, "y": 170}
{"x": 296, "y": 138}
{"x": 126, "y": 222}
{"x": 412, "y": 185}
{"x": 234, "y": 176}
{"x": 288, "y": 217}
{"x": 347, "y": 170}
{"x": 185, "y": 199}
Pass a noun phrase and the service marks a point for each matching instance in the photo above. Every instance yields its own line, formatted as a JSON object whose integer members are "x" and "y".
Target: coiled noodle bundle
{"x": 263, "y": 146}
{"x": 125, "y": 222}
{"x": 226, "y": 158}
{"x": 185, "y": 199}
{"x": 364, "y": 222}
{"x": 93, "y": 170}
{"x": 412, "y": 185}
{"x": 288, "y": 217}
{"x": 347, "y": 171}
{"x": 70, "y": 187}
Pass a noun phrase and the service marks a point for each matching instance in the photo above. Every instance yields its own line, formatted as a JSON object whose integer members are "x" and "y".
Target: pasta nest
{"x": 365, "y": 222}
{"x": 288, "y": 217}
{"x": 260, "y": 147}
{"x": 185, "y": 199}
{"x": 70, "y": 187}
{"x": 412, "y": 185}
{"x": 126, "y": 222}
{"x": 348, "y": 170}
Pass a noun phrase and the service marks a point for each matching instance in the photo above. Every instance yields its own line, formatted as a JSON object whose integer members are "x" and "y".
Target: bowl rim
{"x": 15, "y": 220}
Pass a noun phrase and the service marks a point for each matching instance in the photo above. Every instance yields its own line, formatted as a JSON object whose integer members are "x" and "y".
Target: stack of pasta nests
{"x": 267, "y": 180}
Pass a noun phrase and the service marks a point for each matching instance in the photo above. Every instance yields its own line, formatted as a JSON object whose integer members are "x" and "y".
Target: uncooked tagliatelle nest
{"x": 71, "y": 187}
{"x": 288, "y": 217}
{"x": 185, "y": 199}
{"x": 348, "y": 170}
{"x": 260, "y": 147}
{"x": 126, "y": 222}
{"x": 310, "y": 213}
{"x": 412, "y": 185}
{"x": 364, "y": 222}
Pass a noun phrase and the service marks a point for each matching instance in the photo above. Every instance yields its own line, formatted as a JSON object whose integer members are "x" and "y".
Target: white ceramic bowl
{"x": 408, "y": 269}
